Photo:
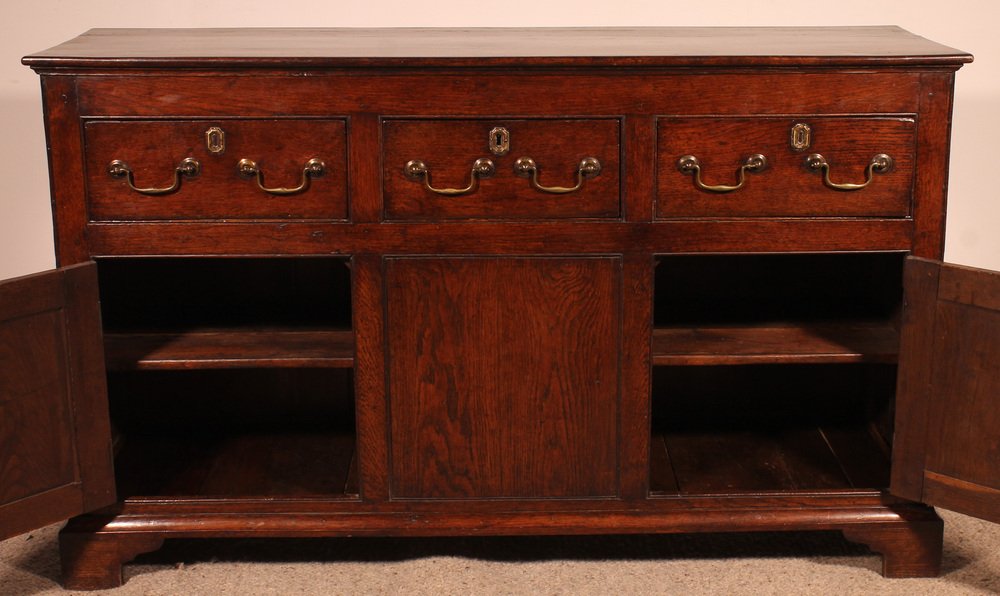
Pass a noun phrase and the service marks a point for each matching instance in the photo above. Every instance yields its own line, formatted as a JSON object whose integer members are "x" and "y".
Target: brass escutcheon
{"x": 215, "y": 140}
{"x": 801, "y": 137}
{"x": 499, "y": 141}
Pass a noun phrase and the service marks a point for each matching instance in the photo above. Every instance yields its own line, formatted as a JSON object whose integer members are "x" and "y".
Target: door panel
{"x": 504, "y": 376}
{"x": 947, "y": 448}
{"x": 54, "y": 431}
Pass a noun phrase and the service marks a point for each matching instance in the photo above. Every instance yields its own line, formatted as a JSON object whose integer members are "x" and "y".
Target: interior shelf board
{"x": 787, "y": 459}
{"x": 840, "y": 342}
{"x": 299, "y": 464}
{"x": 243, "y": 348}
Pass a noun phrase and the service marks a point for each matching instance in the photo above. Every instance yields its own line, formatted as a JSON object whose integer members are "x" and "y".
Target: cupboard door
{"x": 946, "y": 450}
{"x": 55, "y": 438}
{"x": 503, "y": 376}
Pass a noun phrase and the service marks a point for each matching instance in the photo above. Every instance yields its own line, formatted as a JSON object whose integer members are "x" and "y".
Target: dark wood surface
{"x": 53, "y": 410}
{"x": 953, "y": 458}
{"x": 785, "y": 187}
{"x": 503, "y": 376}
{"x": 800, "y": 459}
{"x": 647, "y": 46}
{"x": 242, "y": 465}
{"x": 153, "y": 149}
{"x": 229, "y": 349}
{"x": 449, "y": 148}
{"x": 510, "y": 349}
{"x": 793, "y": 343}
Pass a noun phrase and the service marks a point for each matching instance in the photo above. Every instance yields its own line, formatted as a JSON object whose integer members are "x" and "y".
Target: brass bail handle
{"x": 526, "y": 167}
{"x": 879, "y": 164}
{"x": 313, "y": 168}
{"x": 188, "y": 168}
{"x": 689, "y": 164}
{"x": 416, "y": 169}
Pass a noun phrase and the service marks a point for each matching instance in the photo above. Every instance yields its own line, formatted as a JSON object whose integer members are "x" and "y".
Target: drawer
{"x": 793, "y": 182}
{"x": 151, "y": 186}
{"x": 429, "y": 165}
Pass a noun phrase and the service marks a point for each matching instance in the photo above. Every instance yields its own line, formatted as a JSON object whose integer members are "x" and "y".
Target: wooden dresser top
{"x": 620, "y": 46}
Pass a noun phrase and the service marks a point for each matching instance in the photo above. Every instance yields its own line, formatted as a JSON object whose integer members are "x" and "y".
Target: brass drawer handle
{"x": 589, "y": 168}
{"x": 188, "y": 168}
{"x": 481, "y": 168}
{"x": 690, "y": 164}
{"x": 880, "y": 164}
{"x": 313, "y": 168}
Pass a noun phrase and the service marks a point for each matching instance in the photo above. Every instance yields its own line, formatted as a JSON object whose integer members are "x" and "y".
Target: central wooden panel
{"x": 503, "y": 376}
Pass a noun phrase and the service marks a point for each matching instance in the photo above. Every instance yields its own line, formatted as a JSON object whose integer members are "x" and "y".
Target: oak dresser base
{"x": 94, "y": 547}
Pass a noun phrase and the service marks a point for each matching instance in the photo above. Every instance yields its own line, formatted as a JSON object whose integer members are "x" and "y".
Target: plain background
{"x": 973, "y": 230}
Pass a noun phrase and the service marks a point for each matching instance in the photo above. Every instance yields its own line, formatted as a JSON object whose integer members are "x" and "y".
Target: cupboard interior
{"x": 774, "y": 372}
{"x": 230, "y": 377}
{"x": 170, "y": 313}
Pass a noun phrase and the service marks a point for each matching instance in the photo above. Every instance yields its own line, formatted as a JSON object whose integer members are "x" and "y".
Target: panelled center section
{"x": 503, "y": 376}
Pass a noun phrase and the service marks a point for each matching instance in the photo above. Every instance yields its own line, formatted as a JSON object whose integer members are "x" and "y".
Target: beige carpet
{"x": 813, "y": 563}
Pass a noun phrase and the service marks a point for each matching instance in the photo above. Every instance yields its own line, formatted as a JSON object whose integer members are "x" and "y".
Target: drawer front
{"x": 563, "y": 151}
{"x": 152, "y": 152}
{"x": 793, "y": 182}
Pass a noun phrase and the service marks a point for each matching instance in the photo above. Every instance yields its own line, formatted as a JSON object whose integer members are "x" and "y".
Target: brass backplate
{"x": 215, "y": 140}
{"x": 499, "y": 141}
{"x": 801, "y": 137}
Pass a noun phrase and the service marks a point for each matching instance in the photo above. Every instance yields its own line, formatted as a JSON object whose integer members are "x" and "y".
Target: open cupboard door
{"x": 55, "y": 437}
{"x": 946, "y": 450}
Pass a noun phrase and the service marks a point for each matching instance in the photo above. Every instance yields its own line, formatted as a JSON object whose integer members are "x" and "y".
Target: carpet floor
{"x": 731, "y": 564}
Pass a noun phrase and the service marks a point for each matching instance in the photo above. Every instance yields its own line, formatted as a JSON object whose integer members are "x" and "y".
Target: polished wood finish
{"x": 466, "y": 419}
{"x": 368, "y": 358}
{"x": 785, "y": 187}
{"x": 953, "y": 462}
{"x": 94, "y": 562}
{"x": 795, "y": 343}
{"x": 153, "y": 149}
{"x": 622, "y": 46}
{"x": 229, "y": 349}
{"x": 53, "y": 412}
{"x": 449, "y": 147}
{"x": 248, "y": 465}
{"x": 911, "y": 549}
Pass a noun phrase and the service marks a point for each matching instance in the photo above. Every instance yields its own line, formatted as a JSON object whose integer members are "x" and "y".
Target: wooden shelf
{"x": 238, "y": 464}
{"x": 243, "y": 348}
{"x": 780, "y": 459}
{"x": 842, "y": 342}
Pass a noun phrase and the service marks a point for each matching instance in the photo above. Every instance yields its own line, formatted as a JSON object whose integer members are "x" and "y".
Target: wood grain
{"x": 786, "y": 187}
{"x": 677, "y": 236}
{"x": 153, "y": 149}
{"x": 916, "y": 341}
{"x": 619, "y": 46}
{"x": 53, "y": 409}
{"x": 795, "y": 343}
{"x": 949, "y": 443}
{"x": 230, "y": 349}
{"x": 236, "y": 464}
{"x": 502, "y": 380}
{"x": 503, "y": 376}
{"x": 512, "y": 92}
{"x": 449, "y": 148}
